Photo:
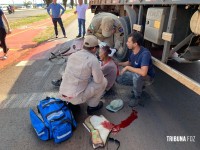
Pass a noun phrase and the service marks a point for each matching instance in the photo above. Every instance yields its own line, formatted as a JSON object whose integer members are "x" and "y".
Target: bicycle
{"x": 59, "y": 54}
{"x": 65, "y": 51}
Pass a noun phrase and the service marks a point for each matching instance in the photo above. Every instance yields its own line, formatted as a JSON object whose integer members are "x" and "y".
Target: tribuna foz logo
{"x": 180, "y": 138}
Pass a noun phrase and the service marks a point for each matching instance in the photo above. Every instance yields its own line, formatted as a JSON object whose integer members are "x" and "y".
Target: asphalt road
{"x": 170, "y": 109}
{"x": 24, "y": 13}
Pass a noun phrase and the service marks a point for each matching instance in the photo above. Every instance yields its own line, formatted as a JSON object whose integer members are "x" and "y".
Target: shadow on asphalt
{"x": 24, "y": 47}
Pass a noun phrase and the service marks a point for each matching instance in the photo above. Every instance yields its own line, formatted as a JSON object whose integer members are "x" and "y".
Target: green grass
{"x": 28, "y": 20}
{"x": 49, "y": 32}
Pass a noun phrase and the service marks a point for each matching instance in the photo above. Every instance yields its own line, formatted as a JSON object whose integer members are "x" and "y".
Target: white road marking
{"x": 7, "y": 102}
{"x": 25, "y": 63}
{"x": 44, "y": 73}
{"x": 25, "y": 100}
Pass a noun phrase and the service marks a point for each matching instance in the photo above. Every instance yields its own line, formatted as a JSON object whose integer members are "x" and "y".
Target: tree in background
{"x": 26, "y": 3}
{"x": 47, "y": 2}
{"x": 13, "y": 4}
{"x": 65, "y": 3}
{"x": 72, "y": 3}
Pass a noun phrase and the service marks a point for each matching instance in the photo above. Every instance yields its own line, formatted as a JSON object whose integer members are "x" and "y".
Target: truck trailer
{"x": 171, "y": 29}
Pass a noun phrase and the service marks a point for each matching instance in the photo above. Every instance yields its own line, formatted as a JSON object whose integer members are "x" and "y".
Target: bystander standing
{"x": 3, "y": 33}
{"x": 56, "y": 16}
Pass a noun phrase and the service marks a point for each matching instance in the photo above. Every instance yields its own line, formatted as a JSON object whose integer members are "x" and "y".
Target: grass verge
{"x": 28, "y": 20}
{"x": 49, "y": 32}
{"x": 31, "y": 19}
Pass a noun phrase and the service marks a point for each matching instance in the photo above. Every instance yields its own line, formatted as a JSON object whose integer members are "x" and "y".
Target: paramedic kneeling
{"x": 138, "y": 70}
{"x": 83, "y": 80}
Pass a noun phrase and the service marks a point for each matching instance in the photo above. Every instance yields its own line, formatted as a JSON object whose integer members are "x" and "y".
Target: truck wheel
{"x": 121, "y": 55}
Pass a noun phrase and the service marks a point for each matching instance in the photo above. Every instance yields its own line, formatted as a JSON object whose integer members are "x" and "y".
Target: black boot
{"x": 78, "y": 36}
{"x": 91, "y": 110}
{"x": 56, "y": 82}
{"x": 76, "y": 110}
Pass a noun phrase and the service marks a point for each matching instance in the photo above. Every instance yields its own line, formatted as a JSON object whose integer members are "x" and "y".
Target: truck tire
{"x": 122, "y": 55}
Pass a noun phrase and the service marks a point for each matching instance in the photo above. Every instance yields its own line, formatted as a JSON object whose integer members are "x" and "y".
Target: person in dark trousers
{"x": 3, "y": 33}
{"x": 138, "y": 70}
{"x": 81, "y": 10}
{"x": 56, "y": 16}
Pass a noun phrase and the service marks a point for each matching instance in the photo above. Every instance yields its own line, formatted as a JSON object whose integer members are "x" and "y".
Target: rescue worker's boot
{"x": 134, "y": 102}
{"x": 76, "y": 110}
{"x": 91, "y": 110}
{"x": 56, "y": 82}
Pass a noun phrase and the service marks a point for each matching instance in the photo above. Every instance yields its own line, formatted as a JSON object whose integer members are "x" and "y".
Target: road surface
{"x": 23, "y": 13}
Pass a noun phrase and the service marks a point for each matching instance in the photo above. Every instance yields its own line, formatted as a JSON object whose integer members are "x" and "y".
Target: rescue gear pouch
{"x": 39, "y": 126}
{"x": 58, "y": 119}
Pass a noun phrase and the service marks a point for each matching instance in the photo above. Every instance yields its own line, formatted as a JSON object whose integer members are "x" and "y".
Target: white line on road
{"x": 25, "y": 100}
{"x": 25, "y": 63}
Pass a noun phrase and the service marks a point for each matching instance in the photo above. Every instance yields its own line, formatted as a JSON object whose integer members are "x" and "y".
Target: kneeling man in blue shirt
{"x": 138, "y": 70}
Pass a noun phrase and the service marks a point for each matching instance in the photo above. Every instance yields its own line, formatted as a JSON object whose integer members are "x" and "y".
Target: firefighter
{"x": 107, "y": 28}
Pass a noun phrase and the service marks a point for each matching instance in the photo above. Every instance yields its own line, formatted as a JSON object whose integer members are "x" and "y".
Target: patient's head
{"x": 104, "y": 51}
